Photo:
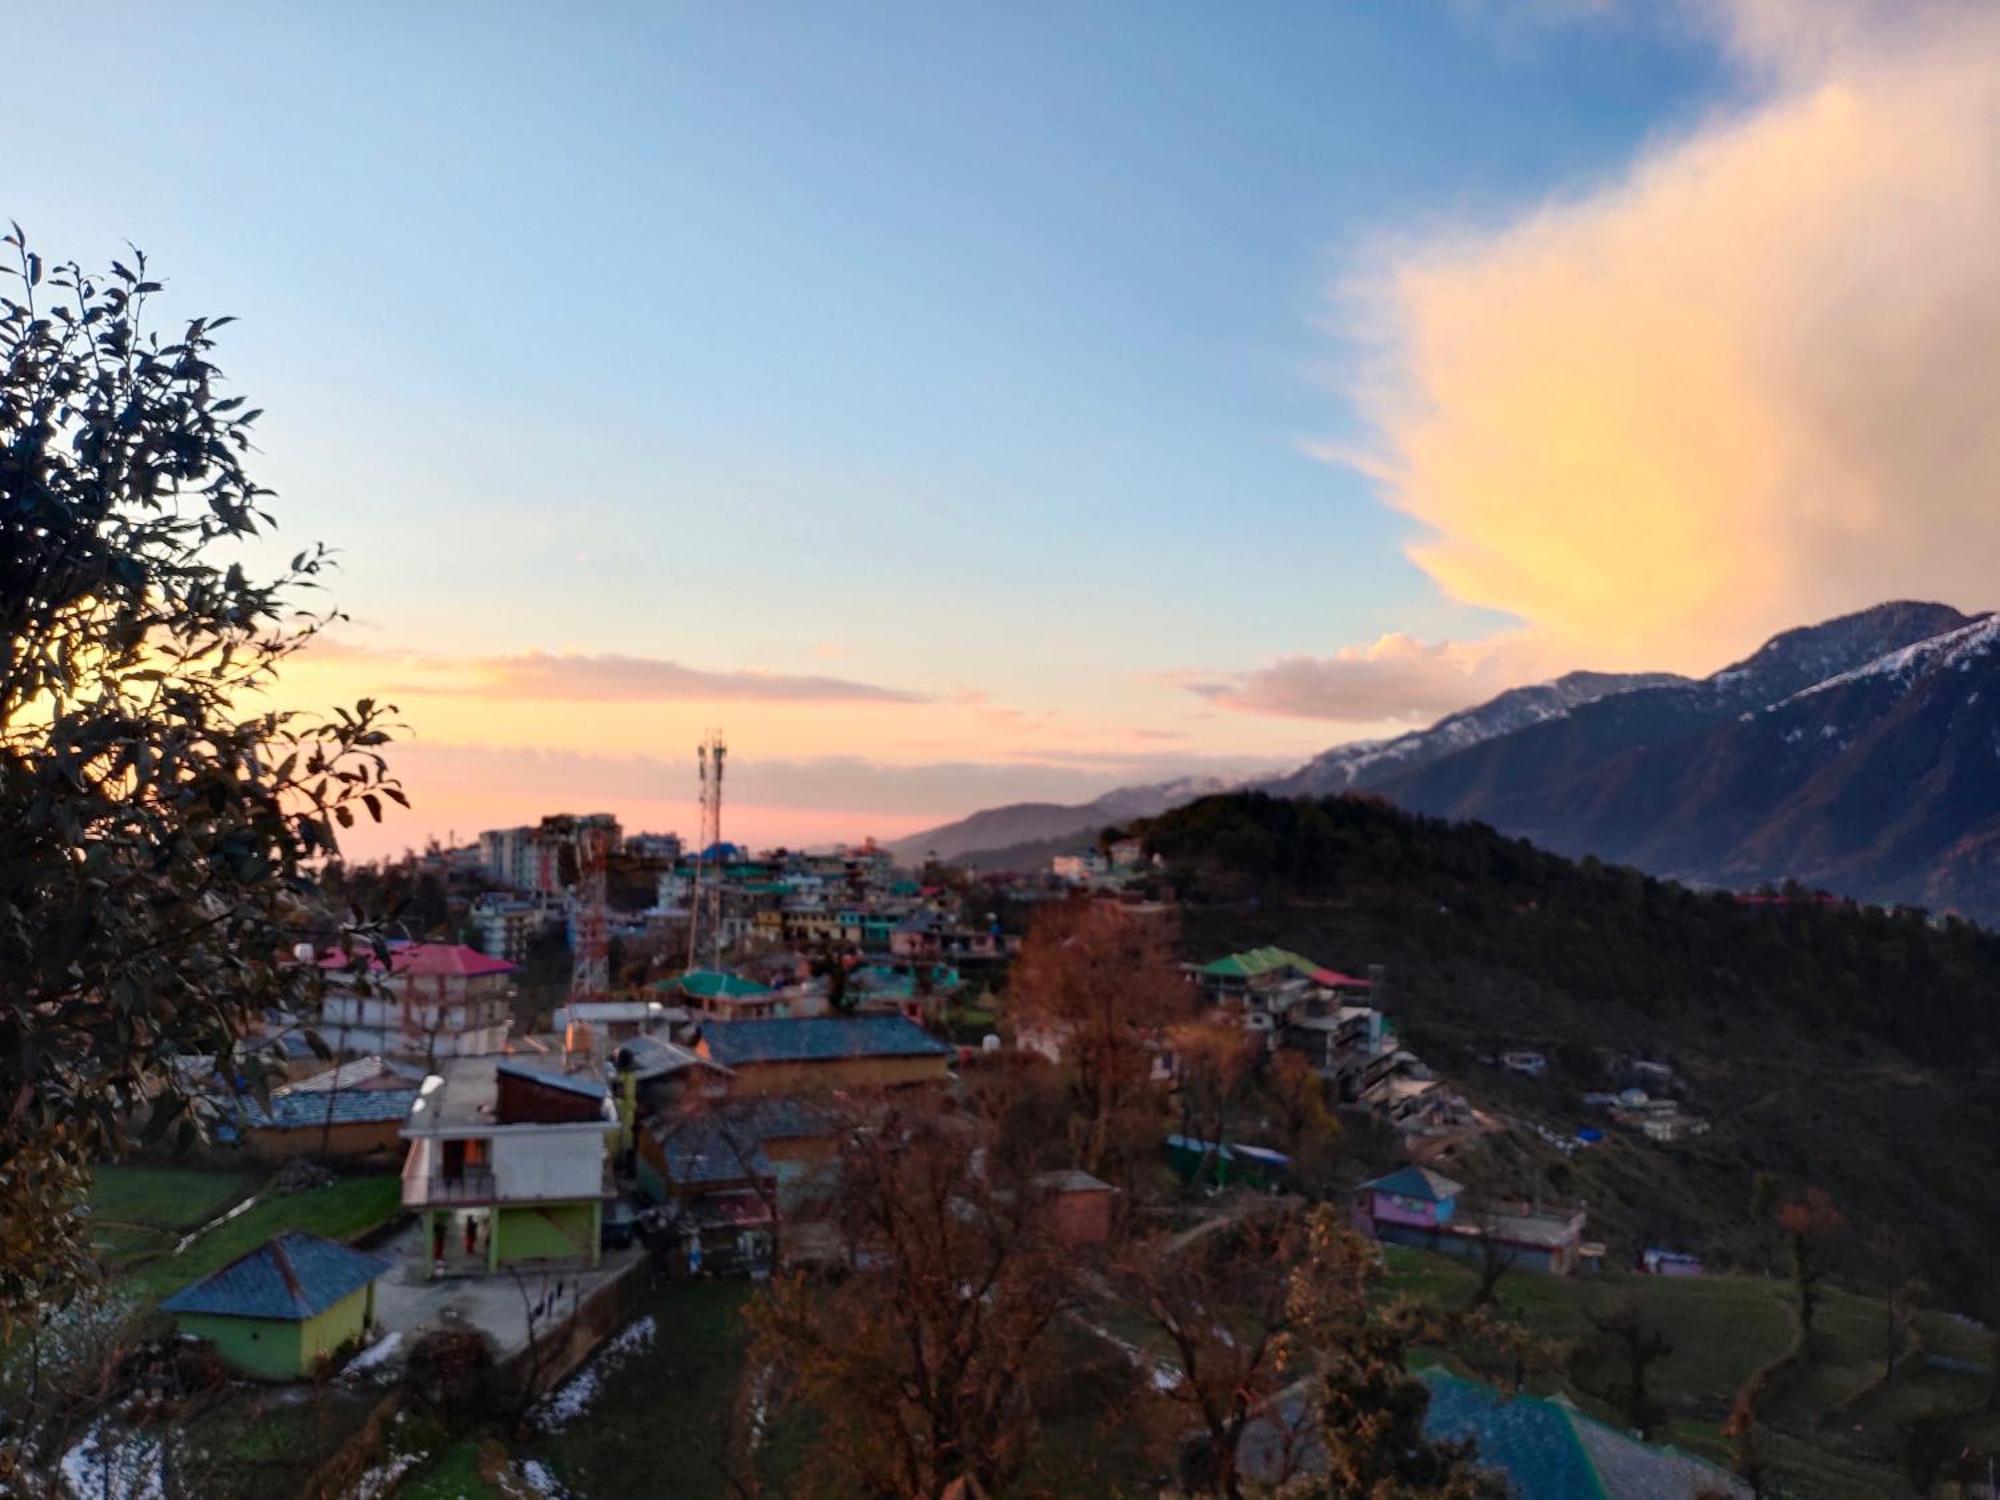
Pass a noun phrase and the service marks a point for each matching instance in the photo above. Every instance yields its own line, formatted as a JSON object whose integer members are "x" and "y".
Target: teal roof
{"x": 290, "y": 1278}
{"x": 713, "y": 984}
{"x": 1528, "y": 1439}
{"x": 1254, "y": 962}
{"x": 1420, "y": 1183}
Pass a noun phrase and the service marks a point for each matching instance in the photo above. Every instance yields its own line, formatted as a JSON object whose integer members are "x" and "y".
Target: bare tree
{"x": 1810, "y": 1222}
{"x": 1624, "y": 1334}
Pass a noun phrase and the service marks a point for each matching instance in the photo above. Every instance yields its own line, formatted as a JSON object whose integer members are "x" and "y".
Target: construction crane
{"x": 705, "y": 905}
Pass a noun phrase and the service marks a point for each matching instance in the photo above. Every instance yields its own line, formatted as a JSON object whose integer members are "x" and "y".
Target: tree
{"x": 157, "y": 836}
{"x": 1900, "y": 1335}
{"x": 1370, "y": 1407}
{"x": 926, "y": 1358}
{"x": 1810, "y": 1222}
{"x": 1220, "y": 1295}
{"x": 1103, "y": 984}
{"x": 1214, "y": 1059}
{"x": 1624, "y": 1334}
{"x": 1306, "y": 1126}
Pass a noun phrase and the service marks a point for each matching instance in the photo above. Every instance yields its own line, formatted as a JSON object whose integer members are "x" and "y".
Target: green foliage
{"x": 156, "y": 836}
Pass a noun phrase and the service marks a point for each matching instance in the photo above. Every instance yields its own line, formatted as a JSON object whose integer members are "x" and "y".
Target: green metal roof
{"x": 714, "y": 984}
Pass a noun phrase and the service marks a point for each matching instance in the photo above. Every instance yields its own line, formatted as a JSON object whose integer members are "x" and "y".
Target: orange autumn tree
{"x": 1099, "y": 984}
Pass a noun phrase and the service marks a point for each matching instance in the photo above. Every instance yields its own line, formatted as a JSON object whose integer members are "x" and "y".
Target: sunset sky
{"x": 960, "y": 404}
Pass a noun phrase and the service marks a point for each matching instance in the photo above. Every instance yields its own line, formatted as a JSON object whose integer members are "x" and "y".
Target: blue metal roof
{"x": 289, "y": 1278}
{"x": 818, "y": 1039}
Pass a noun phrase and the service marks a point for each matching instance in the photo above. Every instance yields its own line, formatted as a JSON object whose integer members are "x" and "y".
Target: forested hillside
{"x": 1832, "y": 1045}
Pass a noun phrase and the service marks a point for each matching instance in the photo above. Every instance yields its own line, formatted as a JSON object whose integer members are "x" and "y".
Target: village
{"x": 682, "y": 1115}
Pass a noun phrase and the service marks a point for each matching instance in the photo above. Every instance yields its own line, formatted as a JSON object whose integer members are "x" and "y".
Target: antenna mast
{"x": 705, "y": 905}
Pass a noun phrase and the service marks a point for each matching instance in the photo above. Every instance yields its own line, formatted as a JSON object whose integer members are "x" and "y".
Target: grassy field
{"x": 140, "y": 1213}
{"x": 1825, "y": 1428}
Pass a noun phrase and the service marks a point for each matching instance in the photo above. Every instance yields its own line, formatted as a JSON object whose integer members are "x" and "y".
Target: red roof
{"x": 429, "y": 959}
{"x": 1333, "y": 979}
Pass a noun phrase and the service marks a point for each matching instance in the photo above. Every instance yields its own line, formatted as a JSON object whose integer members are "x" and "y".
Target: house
{"x": 1340, "y": 1041}
{"x": 586, "y": 1023}
{"x": 353, "y": 1111}
{"x": 1541, "y": 1448}
{"x": 725, "y": 1171}
{"x": 1079, "y": 1206}
{"x": 664, "y": 1073}
{"x": 1238, "y": 976}
{"x": 508, "y": 925}
{"x": 722, "y": 996}
{"x": 277, "y": 1312}
{"x": 1418, "y": 1207}
{"x": 1656, "y": 1262}
{"x": 798, "y": 1054}
{"x": 509, "y": 1165}
{"x": 430, "y": 1000}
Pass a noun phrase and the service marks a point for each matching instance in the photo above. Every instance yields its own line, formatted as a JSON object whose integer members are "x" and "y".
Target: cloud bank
{"x": 1752, "y": 383}
{"x": 1396, "y": 679}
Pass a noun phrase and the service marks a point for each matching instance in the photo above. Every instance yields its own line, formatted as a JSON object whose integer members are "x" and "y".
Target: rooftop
{"x": 1420, "y": 1183}
{"x": 292, "y": 1277}
{"x": 817, "y": 1039}
{"x": 462, "y": 1097}
{"x": 1254, "y": 963}
{"x": 424, "y": 959}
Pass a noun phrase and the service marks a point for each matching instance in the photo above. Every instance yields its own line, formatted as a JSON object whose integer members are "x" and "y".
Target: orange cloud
{"x": 1396, "y": 679}
{"x": 1747, "y": 385}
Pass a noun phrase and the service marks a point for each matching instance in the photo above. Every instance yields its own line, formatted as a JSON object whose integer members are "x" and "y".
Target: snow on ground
{"x": 576, "y": 1395}
{"x": 382, "y": 1480}
{"x": 376, "y": 1354}
{"x": 542, "y": 1480}
{"x": 113, "y": 1465}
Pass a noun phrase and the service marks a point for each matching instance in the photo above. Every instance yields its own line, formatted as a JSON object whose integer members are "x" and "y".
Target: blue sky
{"x": 969, "y": 351}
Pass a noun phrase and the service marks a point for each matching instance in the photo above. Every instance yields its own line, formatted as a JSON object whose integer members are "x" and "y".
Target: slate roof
{"x": 1420, "y": 1183}
{"x": 310, "y": 1109}
{"x": 786, "y": 1039}
{"x": 726, "y": 1143}
{"x": 289, "y": 1278}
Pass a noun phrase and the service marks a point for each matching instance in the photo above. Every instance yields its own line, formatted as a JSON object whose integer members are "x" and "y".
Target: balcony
{"x": 434, "y": 1189}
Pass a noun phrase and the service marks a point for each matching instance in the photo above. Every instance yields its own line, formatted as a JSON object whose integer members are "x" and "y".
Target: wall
{"x": 550, "y": 1162}
{"x": 349, "y": 1139}
{"x": 340, "y": 1324}
{"x": 551, "y": 1231}
{"x": 256, "y": 1346}
{"x": 855, "y": 1073}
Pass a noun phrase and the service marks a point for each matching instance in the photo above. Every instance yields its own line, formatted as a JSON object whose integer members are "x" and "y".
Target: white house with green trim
{"x": 509, "y": 1165}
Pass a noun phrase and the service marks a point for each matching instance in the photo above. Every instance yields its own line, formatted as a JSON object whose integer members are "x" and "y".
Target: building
{"x": 1418, "y": 1207}
{"x": 507, "y": 925}
{"x": 277, "y": 1312}
{"x": 431, "y": 1000}
{"x": 354, "y": 1111}
{"x": 721, "y": 996}
{"x": 1079, "y": 1206}
{"x": 507, "y": 857}
{"x": 509, "y": 1165}
{"x": 798, "y": 1054}
{"x": 1541, "y": 1448}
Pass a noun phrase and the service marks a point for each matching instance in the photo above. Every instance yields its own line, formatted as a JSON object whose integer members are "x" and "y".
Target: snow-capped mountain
{"x": 1346, "y": 767}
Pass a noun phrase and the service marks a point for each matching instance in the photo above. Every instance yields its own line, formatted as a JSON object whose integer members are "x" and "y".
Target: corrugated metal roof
{"x": 300, "y": 1110}
{"x": 289, "y": 1278}
{"x": 818, "y": 1039}
{"x": 1417, "y": 1182}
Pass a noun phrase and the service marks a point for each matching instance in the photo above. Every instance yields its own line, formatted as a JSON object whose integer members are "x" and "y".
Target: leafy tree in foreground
{"x": 156, "y": 831}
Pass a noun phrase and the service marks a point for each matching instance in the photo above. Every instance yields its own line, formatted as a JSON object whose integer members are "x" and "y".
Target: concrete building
{"x": 509, "y": 1165}
{"x": 1422, "y": 1208}
{"x": 431, "y": 1000}
{"x": 290, "y": 1303}
{"x": 508, "y": 924}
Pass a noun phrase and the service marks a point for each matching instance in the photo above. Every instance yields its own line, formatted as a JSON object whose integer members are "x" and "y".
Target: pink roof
{"x": 431, "y": 958}
{"x": 1333, "y": 979}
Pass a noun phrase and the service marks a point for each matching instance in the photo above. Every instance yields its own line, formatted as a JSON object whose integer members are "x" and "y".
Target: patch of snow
{"x": 384, "y": 1477}
{"x": 376, "y": 1354}
{"x": 579, "y": 1393}
{"x": 539, "y": 1478}
{"x": 115, "y": 1466}
{"x": 1954, "y": 648}
{"x": 195, "y": 1234}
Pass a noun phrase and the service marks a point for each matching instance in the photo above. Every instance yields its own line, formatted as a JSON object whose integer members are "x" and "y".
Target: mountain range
{"x": 1861, "y": 755}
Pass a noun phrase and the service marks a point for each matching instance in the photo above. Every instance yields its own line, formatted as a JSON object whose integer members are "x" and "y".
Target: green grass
{"x": 177, "y": 1198}
{"x": 658, "y": 1423}
{"x": 454, "y": 1475}
{"x": 337, "y": 1211}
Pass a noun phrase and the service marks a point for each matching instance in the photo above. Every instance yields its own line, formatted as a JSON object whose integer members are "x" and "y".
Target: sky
{"x": 962, "y": 404}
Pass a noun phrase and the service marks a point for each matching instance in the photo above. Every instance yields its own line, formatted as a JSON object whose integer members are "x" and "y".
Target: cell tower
{"x": 705, "y": 907}
{"x": 590, "y": 970}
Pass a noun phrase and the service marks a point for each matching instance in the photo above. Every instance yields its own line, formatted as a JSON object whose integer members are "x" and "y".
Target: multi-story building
{"x": 431, "y": 1000}
{"x": 509, "y": 1165}
{"x": 507, "y": 855}
{"x": 508, "y": 924}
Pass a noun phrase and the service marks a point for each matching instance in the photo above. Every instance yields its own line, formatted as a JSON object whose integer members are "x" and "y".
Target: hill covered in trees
{"x": 1832, "y": 1045}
